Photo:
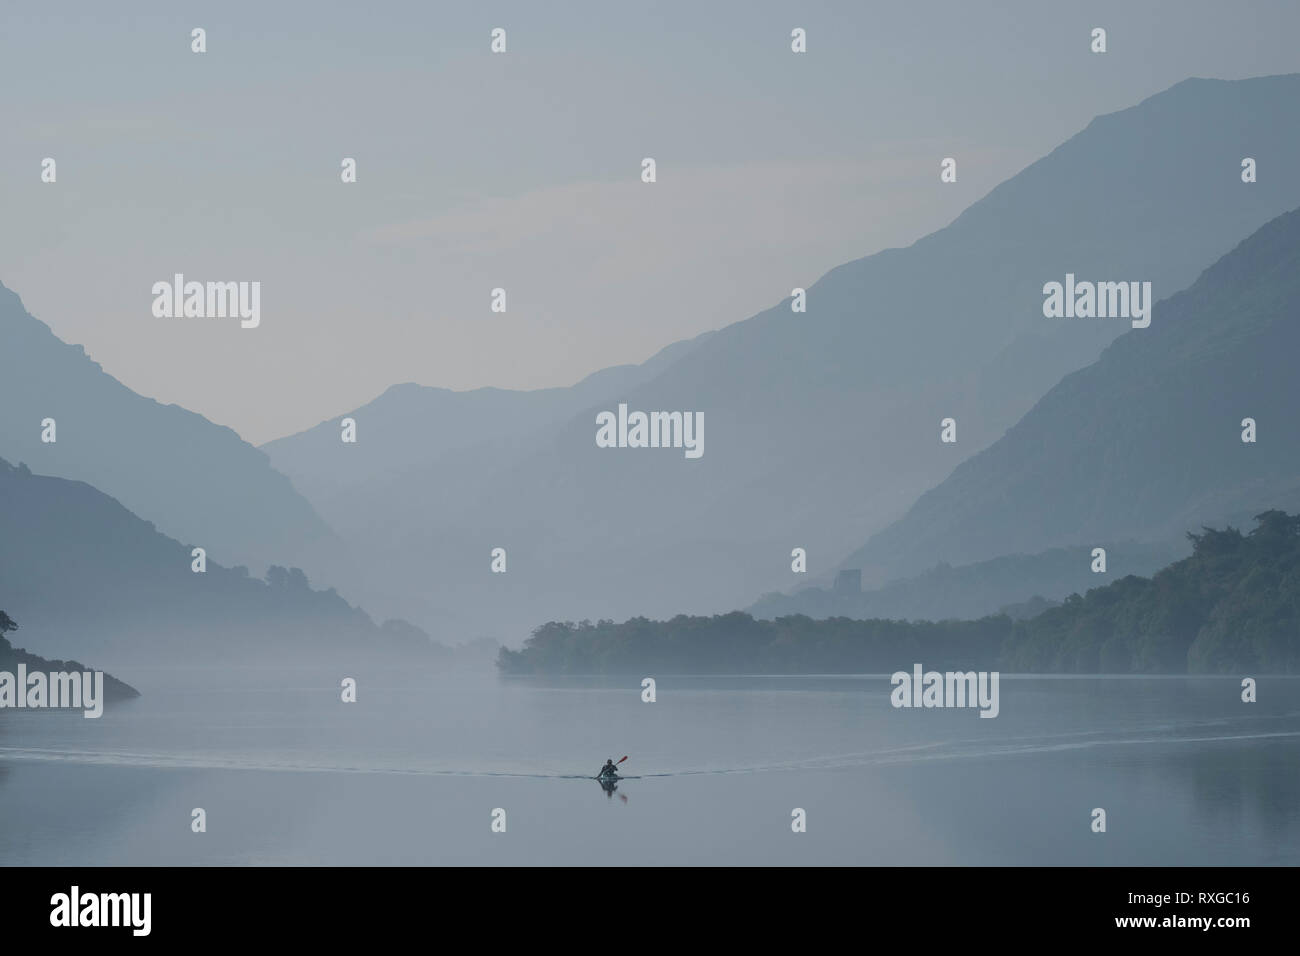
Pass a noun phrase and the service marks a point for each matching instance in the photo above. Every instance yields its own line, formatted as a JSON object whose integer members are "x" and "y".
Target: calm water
{"x": 411, "y": 773}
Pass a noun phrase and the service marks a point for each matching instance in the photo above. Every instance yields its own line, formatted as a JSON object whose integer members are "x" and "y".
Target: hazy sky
{"x": 520, "y": 170}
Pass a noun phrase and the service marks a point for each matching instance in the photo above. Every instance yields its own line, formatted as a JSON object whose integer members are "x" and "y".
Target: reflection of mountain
{"x": 197, "y": 480}
{"x": 1147, "y": 440}
{"x": 93, "y": 579}
{"x": 821, "y": 427}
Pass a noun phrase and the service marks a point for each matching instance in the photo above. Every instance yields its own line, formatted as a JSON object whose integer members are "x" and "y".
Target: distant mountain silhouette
{"x": 199, "y": 481}
{"x": 1147, "y": 440}
{"x": 820, "y": 427}
{"x": 96, "y": 581}
{"x": 436, "y": 430}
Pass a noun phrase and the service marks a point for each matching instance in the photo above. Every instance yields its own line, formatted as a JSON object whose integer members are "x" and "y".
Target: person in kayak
{"x": 609, "y": 770}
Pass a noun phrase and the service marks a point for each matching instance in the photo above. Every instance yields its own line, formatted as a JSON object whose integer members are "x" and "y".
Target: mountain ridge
{"x": 102, "y": 583}
{"x": 1189, "y": 351}
{"x": 197, "y": 479}
{"x": 822, "y": 426}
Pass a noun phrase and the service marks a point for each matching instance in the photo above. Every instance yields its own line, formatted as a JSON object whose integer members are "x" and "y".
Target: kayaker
{"x": 609, "y": 770}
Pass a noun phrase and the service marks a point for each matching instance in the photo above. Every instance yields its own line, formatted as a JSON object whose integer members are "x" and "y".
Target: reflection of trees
{"x": 1242, "y": 788}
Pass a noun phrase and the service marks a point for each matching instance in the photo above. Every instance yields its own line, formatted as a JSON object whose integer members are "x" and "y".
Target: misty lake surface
{"x": 411, "y": 773}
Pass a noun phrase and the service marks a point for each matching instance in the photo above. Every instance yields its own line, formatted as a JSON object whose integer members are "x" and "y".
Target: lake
{"x": 412, "y": 772}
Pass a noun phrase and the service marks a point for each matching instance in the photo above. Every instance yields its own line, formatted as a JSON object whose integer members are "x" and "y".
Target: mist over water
{"x": 411, "y": 773}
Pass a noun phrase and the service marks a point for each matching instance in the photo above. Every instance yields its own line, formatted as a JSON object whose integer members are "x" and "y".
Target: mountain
{"x": 1146, "y": 440}
{"x": 97, "y": 581}
{"x": 823, "y": 426}
{"x": 199, "y": 481}
{"x": 416, "y": 428}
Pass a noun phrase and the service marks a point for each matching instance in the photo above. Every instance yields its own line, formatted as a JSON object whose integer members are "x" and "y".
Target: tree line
{"x": 1232, "y": 606}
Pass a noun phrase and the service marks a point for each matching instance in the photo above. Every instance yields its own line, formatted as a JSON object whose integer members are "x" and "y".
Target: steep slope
{"x": 1233, "y": 607}
{"x": 96, "y": 581}
{"x": 197, "y": 480}
{"x": 821, "y": 427}
{"x": 1148, "y": 439}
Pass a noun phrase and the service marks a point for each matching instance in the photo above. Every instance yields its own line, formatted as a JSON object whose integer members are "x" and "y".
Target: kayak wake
{"x": 926, "y": 752}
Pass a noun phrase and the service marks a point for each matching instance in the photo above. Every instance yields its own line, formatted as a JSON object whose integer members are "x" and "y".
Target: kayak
{"x": 609, "y": 778}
